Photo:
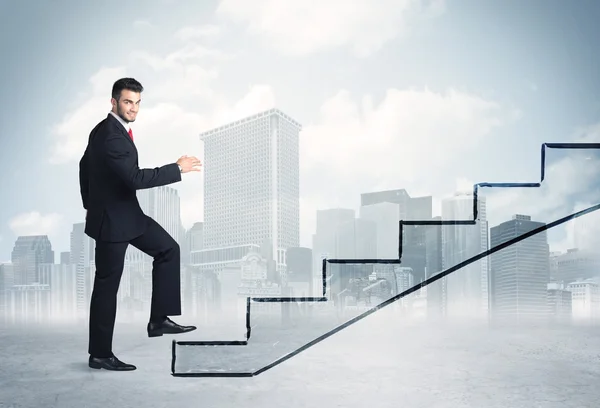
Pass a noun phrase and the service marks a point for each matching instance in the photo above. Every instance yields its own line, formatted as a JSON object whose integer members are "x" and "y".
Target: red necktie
{"x": 131, "y": 134}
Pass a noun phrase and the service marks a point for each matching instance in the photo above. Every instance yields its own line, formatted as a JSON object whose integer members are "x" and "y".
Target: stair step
{"x": 270, "y": 341}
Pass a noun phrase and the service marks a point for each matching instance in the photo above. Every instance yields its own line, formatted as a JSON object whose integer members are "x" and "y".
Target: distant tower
{"x": 28, "y": 253}
{"x": 467, "y": 288}
{"x": 251, "y": 182}
{"x": 520, "y": 272}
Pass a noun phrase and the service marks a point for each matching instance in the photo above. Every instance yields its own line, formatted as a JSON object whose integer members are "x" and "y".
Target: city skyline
{"x": 180, "y": 232}
{"x": 578, "y": 278}
{"x": 163, "y": 204}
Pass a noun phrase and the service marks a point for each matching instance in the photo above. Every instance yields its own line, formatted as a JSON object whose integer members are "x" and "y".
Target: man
{"x": 109, "y": 177}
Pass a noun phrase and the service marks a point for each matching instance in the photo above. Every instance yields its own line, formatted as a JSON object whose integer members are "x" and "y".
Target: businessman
{"x": 109, "y": 176}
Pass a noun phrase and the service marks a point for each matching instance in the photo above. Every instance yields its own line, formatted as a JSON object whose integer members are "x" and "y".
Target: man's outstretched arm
{"x": 120, "y": 158}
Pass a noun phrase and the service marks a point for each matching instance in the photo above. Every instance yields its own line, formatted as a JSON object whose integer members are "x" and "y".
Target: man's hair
{"x": 126, "y": 83}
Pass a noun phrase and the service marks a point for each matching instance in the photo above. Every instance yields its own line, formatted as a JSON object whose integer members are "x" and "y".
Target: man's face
{"x": 128, "y": 105}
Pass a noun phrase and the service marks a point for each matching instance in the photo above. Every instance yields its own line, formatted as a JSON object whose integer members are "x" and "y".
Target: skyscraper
{"x": 28, "y": 253}
{"x": 436, "y": 291}
{"x": 576, "y": 264}
{"x": 324, "y": 241}
{"x": 194, "y": 236}
{"x": 251, "y": 183}
{"x": 520, "y": 272}
{"x": 193, "y": 241}
{"x": 386, "y": 216}
{"x": 414, "y": 237}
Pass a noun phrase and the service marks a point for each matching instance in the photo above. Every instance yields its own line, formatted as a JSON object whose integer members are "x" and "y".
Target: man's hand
{"x": 189, "y": 163}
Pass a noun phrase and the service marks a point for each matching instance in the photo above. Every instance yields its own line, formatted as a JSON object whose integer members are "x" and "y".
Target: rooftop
{"x": 269, "y": 112}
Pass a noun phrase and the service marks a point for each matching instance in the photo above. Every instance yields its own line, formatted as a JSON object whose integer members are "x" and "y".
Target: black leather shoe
{"x": 110, "y": 363}
{"x": 167, "y": 326}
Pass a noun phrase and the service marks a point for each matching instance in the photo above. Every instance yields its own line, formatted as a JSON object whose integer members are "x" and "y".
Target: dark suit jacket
{"x": 109, "y": 177}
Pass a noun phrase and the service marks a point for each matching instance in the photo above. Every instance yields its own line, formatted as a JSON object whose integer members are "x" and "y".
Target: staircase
{"x": 293, "y": 340}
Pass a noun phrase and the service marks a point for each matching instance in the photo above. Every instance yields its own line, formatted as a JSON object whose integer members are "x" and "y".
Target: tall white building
{"x": 251, "y": 184}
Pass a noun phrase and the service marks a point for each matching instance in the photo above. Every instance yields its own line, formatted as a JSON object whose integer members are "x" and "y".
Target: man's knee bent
{"x": 172, "y": 250}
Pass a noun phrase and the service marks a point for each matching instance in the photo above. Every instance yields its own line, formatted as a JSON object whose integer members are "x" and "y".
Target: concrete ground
{"x": 377, "y": 362}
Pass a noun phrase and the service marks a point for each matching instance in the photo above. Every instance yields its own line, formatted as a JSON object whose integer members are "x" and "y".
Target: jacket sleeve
{"x": 121, "y": 158}
{"x": 84, "y": 186}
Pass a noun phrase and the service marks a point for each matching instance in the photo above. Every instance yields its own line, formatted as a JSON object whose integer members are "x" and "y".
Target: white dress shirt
{"x": 121, "y": 121}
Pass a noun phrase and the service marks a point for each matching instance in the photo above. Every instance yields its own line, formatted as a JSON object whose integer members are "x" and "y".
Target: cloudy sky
{"x": 427, "y": 95}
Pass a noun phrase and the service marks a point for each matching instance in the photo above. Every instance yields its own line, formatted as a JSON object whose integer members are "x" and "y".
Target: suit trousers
{"x": 110, "y": 260}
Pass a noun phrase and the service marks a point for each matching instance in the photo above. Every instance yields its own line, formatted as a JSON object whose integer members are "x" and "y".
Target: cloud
{"x": 202, "y": 32}
{"x": 102, "y": 81}
{"x": 298, "y": 28}
{"x": 587, "y": 134}
{"x": 142, "y": 24}
{"x": 35, "y": 223}
{"x": 410, "y": 139}
{"x": 464, "y": 185}
{"x": 408, "y": 130}
{"x": 71, "y": 133}
{"x": 181, "y": 60}
{"x": 165, "y": 130}
{"x": 568, "y": 181}
{"x": 363, "y": 146}
{"x": 259, "y": 97}
{"x": 178, "y": 76}
{"x": 571, "y": 184}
